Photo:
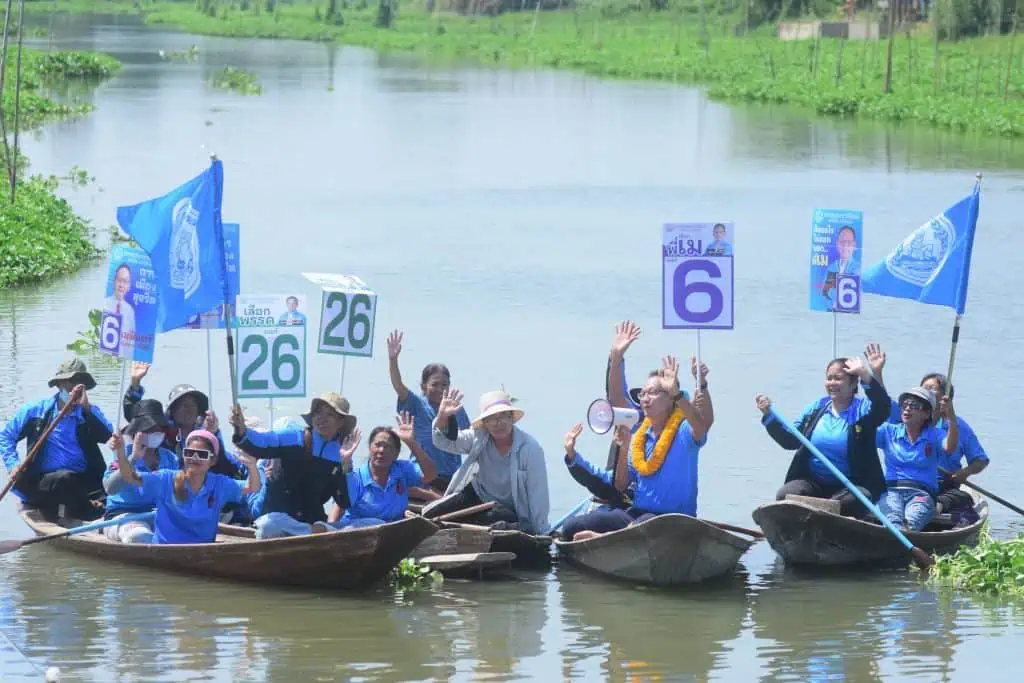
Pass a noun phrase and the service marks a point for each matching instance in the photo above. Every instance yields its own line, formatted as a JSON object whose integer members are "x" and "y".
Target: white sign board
{"x": 348, "y": 313}
{"x": 271, "y": 339}
{"x": 697, "y": 276}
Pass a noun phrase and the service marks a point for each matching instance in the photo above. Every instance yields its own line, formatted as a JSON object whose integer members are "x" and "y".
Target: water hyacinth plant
{"x": 410, "y": 575}
{"x": 993, "y": 566}
{"x": 237, "y": 80}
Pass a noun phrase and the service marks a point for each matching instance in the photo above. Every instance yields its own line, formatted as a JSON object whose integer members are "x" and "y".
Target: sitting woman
{"x": 842, "y": 426}
{"x": 188, "y": 501}
{"x": 505, "y": 466}
{"x": 662, "y": 458}
{"x": 379, "y": 489}
{"x": 434, "y": 381}
{"x": 912, "y": 451}
{"x": 146, "y": 455}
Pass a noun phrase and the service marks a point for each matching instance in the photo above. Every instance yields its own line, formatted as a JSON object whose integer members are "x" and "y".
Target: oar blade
{"x": 10, "y": 546}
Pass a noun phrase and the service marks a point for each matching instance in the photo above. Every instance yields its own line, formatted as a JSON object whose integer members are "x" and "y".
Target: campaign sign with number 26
{"x": 697, "y": 276}
{"x": 271, "y": 346}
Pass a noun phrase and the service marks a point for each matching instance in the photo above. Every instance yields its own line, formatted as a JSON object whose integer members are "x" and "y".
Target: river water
{"x": 508, "y": 220}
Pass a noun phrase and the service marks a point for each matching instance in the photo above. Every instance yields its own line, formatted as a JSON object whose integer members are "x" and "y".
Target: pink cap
{"x": 203, "y": 434}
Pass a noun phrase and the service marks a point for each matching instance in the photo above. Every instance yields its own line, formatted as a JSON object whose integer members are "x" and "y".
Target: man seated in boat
{"x": 379, "y": 488}
{"x": 314, "y": 459}
{"x": 67, "y": 472}
{"x": 912, "y": 451}
{"x": 146, "y": 454}
{"x": 188, "y": 501}
{"x": 842, "y": 425}
{"x": 187, "y": 409}
{"x": 662, "y": 456}
{"x": 951, "y": 497}
{"x": 434, "y": 381}
{"x": 505, "y": 466}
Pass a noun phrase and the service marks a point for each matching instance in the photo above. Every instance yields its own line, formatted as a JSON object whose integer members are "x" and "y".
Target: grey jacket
{"x": 529, "y": 477}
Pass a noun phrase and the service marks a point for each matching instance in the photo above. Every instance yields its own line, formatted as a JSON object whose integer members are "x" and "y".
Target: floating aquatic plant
{"x": 992, "y": 566}
{"x": 237, "y": 80}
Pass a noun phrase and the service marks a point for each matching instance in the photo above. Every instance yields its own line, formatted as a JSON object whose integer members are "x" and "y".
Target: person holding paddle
{"x": 64, "y": 466}
{"x": 188, "y": 501}
{"x": 842, "y": 426}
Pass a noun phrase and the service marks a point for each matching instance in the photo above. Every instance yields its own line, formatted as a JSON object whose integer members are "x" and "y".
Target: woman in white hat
{"x": 504, "y": 464}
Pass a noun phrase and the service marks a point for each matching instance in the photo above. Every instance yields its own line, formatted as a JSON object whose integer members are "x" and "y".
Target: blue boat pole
{"x": 570, "y": 514}
{"x": 11, "y": 546}
{"x": 921, "y": 558}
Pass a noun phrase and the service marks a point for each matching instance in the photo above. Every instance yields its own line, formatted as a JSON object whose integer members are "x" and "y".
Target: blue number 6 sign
{"x": 697, "y": 292}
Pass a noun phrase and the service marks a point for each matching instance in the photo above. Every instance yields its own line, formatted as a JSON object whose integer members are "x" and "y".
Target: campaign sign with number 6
{"x": 697, "y": 276}
{"x": 110, "y": 333}
{"x": 271, "y": 346}
{"x": 848, "y": 294}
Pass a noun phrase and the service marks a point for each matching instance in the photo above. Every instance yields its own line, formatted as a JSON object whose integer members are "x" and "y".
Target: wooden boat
{"x": 664, "y": 550}
{"x": 530, "y": 550}
{"x": 351, "y": 559}
{"x": 805, "y": 534}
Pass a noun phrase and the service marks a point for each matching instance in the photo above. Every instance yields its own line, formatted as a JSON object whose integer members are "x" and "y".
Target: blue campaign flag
{"x": 932, "y": 265}
{"x": 182, "y": 233}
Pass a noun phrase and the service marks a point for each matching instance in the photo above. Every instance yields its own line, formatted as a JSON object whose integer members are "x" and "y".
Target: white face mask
{"x": 153, "y": 440}
{"x": 64, "y": 395}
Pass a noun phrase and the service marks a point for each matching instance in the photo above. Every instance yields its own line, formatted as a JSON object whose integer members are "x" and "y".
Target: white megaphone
{"x": 601, "y": 416}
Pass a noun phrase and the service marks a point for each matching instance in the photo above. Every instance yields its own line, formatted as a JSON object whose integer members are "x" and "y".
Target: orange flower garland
{"x": 647, "y": 467}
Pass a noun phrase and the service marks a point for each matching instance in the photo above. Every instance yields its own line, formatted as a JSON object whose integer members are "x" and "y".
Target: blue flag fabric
{"x": 932, "y": 265}
{"x": 182, "y": 233}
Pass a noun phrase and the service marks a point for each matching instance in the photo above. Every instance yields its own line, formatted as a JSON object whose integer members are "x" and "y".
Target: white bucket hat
{"x": 494, "y": 402}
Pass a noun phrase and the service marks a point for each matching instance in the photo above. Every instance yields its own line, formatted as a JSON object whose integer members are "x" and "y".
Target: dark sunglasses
{"x": 911, "y": 404}
{"x": 197, "y": 454}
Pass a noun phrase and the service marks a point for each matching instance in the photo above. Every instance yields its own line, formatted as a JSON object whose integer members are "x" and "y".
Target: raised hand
{"x": 764, "y": 404}
{"x": 83, "y": 397}
{"x": 856, "y": 367}
{"x": 395, "y": 344}
{"x": 876, "y": 358}
{"x": 348, "y": 447}
{"x": 703, "y": 378}
{"x": 626, "y": 333}
{"x": 248, "y": 460}
{"x": 450, "y": 404}
{"x": 139, "y": 370}
{"x": 570, "y": 440}
{"x": 210, "y": 422}
{"x": 237, "y": 419}
{"x": 622, "y": 435}
{"x": 116, "y": 443}
{"x": 946, "y": 408}
{"x": 139, "y": 447}
{"x": 669, "y": 373}
{"x": 405, "y": 427}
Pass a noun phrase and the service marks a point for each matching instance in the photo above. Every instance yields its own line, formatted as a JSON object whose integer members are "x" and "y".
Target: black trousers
{"x": 467, "y": 498}
{"x": 74, "y": 490}
{"x": 849, "y": 506}
{"x": 953, "y": 498}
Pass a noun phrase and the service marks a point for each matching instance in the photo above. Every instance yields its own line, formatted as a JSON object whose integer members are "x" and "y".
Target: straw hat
{"x": 494, "y": 402}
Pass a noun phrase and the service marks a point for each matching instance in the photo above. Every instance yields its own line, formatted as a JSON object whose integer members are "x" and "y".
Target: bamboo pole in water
{"x": 839, "y": 61}
{"x": 888, "y": 57}
{"x": 1009, "y": 61}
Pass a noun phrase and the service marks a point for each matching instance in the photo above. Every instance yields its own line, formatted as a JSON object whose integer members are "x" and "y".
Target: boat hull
{"x": 665, "y": 550}
{"x": 805, "y": 535}
{"x": 352, "y": 559}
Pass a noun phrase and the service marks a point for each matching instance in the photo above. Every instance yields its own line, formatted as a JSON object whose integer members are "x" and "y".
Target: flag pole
{"x": 219, "y": 229}
{"x": 959, "y": 313}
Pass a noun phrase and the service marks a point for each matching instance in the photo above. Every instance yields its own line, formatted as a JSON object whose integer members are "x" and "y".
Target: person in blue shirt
{"x": 719, "y": 247}
{"x": 434, "y": 381}
{"x": 314, "y": 459}
{"x": 147, "y": 455}
{"x": 66, "y": 476}
{"x": 379, "y": 488}
{"x": 662, "y": 458}
{"x": 292, "y": 316}
{"x": 912, "y": 449}
{"x": 188, "y": 501}
{"x": 842, "y": 426}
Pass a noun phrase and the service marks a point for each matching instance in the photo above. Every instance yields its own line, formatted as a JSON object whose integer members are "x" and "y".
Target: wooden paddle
{"x": 465, "y": 512}
{"x": 11, "y": 546}
{"x": 76, "y": 393}
{"x": 987, "y": 494}
{"x": 737, "y": 529}
{"x": 922, "y": 559}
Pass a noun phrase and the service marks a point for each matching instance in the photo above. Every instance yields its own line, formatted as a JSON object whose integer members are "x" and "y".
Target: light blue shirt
{"x": 673, "y": 488}
{"x": 831, "y": 436}
{"x": 718, "y": 248}
{"x": 61, "y": 450}
{"x": 293, "y": 436}
{"x": 389, "y": 502}
{"x": 419, "y": 407}
{"x": 968, "y": 445}
{"x": 195, "y": 519}
{"x": 132, "y": 498}
{"x": 916, "y": 461}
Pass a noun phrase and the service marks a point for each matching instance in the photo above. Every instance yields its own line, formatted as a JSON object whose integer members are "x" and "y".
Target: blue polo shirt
{"x": 831, "y": 436}
{"x": 916, "y": 461}
{"x": 968, "y": 446}
{"x": 673, "y": 488}
{"x": 61, "y": 450}
{"x": 388, "y": 502}
{"x": 419, "y": 407}
{"x": 132, "y": 498}
{"x": 293, "y": 436}
{"x": 195, "y": 520}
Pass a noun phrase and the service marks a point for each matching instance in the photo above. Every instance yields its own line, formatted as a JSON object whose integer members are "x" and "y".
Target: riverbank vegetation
{"x": 40, "y": 234}
{"x": 964, "y": 71}
{"x": 992, "y": 566}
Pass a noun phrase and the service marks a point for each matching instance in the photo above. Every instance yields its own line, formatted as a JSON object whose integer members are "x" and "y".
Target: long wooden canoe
{"x": 664, "y": 550}
{"x": 350, "y": 559}
{"x": 803, "y": 534}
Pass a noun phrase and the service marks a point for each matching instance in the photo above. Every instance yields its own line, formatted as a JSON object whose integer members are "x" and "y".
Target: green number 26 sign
{"x": 346, "y": 322}
{"x": 271, "y": 346}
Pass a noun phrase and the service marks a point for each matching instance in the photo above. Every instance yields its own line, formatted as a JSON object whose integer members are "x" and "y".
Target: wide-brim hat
{"x": 495, "y": 402}
{"x": 74, "y": 370}
{"x": 146, "y": 414}
{"x": 181, "y": 391}
{"x": 634, "y": 394}
{"x": 926, "y": 395}
{"x": 335, "y": 402}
